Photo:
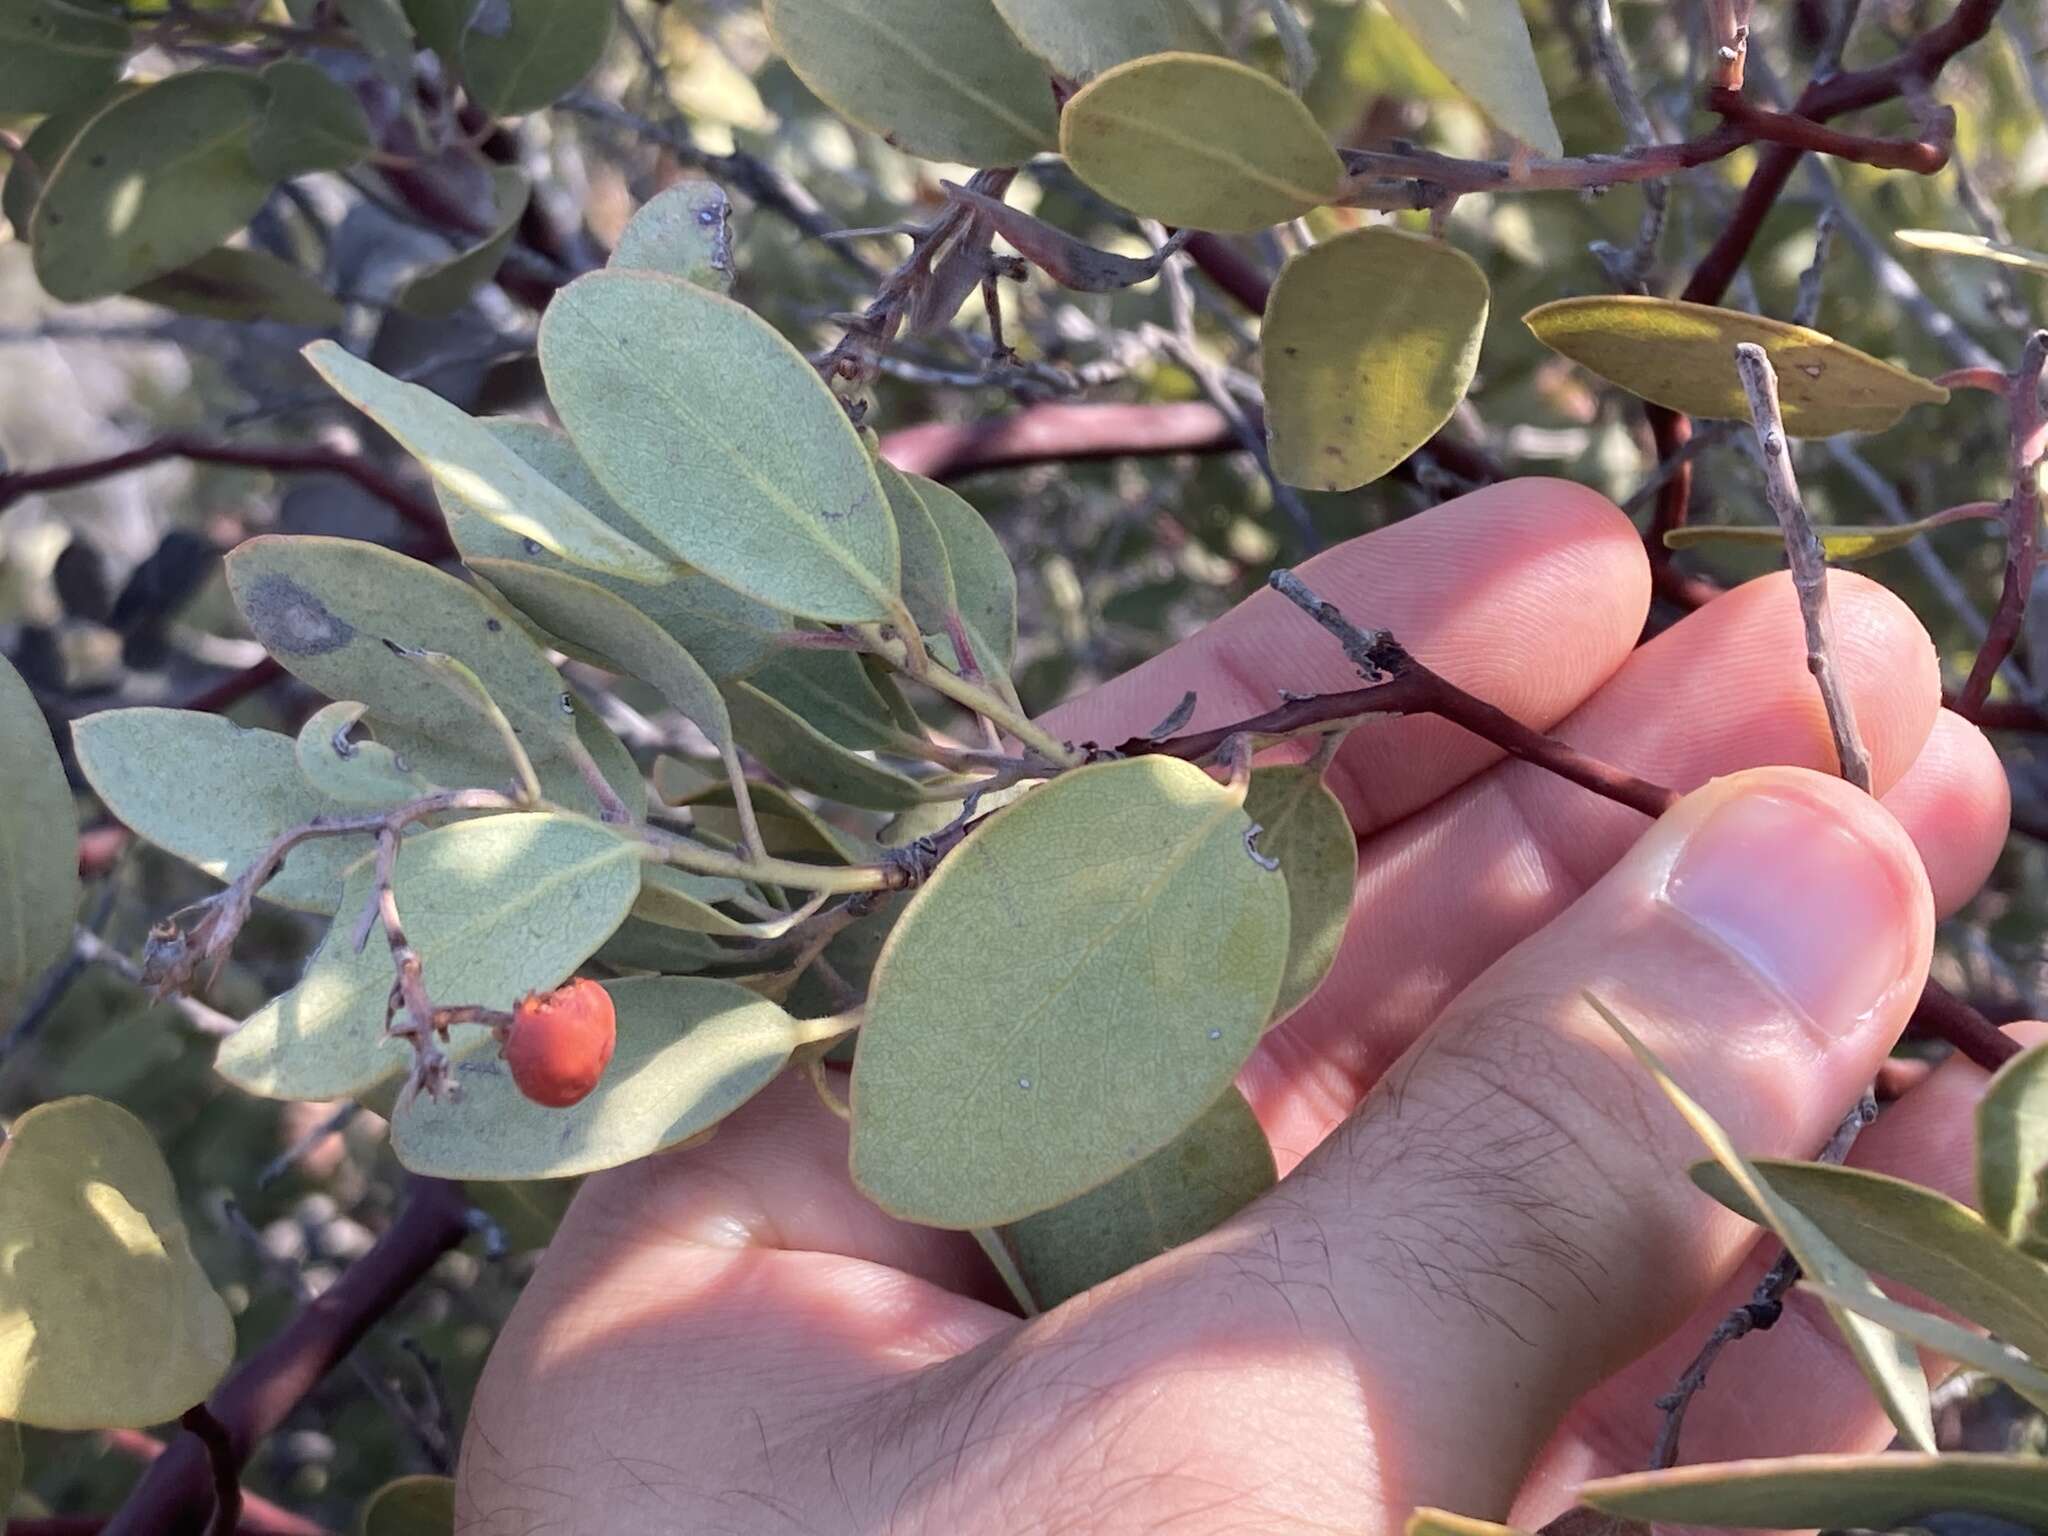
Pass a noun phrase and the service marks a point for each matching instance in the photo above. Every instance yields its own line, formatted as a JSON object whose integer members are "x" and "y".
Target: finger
{"x": 1956, "y": 804}
{"x": 1529, "y": 594}
{"x": 1816, "y": 1396}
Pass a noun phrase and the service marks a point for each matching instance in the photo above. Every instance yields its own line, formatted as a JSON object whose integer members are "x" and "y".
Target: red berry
{"x": 560, "y": 1042}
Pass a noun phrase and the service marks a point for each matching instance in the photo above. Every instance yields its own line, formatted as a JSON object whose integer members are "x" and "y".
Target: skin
{"x": 1485, "y": 1259}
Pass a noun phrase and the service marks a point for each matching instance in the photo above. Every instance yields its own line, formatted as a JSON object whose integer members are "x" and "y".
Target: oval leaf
{"x": 28, "y": 171}
{"x": 1683, "y": 356}
{"x": 1370, "y": 342}
{"x": 54, "y": 54}
{"x": 495, "y": 908}
{"x": 445, "y": 287}
{"x": 983, "y": 579}
{"x": 1484, "y": 47}
{"x": 38, "y": 841}
{"x": 1197, "y": 141}
{"x": 1076, "y": 985}
{"x": 1838, "y": 543}
{"x": 236, "y": 284}
{"x": 939, "y": 78}
{"x": 2012, "y": 1146}
{"x": 684, "y": 231}
{"x": 1302, "y": 825}
{"x": 422, "y": 1505}
{"x": 1082, "y": 38}
{"x": 719, "y": 438}
{"x": 1868, "y": 1492}
{"x": 519, "y": 55}
{"x": 352, "y": 772}
{"x": 810, "y": 759}
{"x": 1194, "y": 1183}
{"x": 106, "y": 1319}
{"x": 312, "y": 123}
{"x": 1980, "y": 247}
{"x": 690, "y": 1052}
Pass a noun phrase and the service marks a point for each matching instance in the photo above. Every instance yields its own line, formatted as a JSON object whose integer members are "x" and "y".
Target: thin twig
{"x": 1628, "y": 269}
{"x": 2022, "y": 517}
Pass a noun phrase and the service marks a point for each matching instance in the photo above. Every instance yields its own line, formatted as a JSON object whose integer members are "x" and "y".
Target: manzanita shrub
{"x": 1047, "y": 959}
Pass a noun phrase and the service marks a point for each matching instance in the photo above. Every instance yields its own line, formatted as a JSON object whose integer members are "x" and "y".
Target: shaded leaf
{"x": 983, "y": 579}
{"x": 791, "y": 828}
{"x": 527, "y": 1211}
{"x": 10, "y": 1463}
{"x": 447, "y": 286}
{"x": 927, "y": 574}
{"x": 1079, "y": 981}
{"x": 54, "y": 54}
{"x": 1082, "y": 38}
{"x": 519, "y": 55}
{"x": 488, "y": 477}
{"x": 1981, "y": 247}
{"x": 1483, "y": 45}
{"x": 151, "y": 184}
{"x": 641, "y": 946}
{"x": 1683, "y": 356}
{"x": 690, "y": 1052}
{"x": 1966, "y": 1348}
{"x": 1205, "y": 1175}
{"x": 1370, "y": 342}
{"x": 684, "y": 231}
{"x": 1915, "y": 1236}
{"x": 41, "y": 150}
{"x": 312, "y": 123}
{"x": 943, "y": 79}
{"x": 680, "y": 400}
{"x": 495, "y": 908}
{"x": 38, "y": 841}
{"x": 384, "y": 31}
{"x": 421, "y": 1505}
{"x": 359, "y": 772}
{"x": 1888, "y": 1364}
{"x": 439, "y": 24}
{"x": 1839, "y": 543}
{"x": 1302, "y": 825}
{"x": 106, "y": 1319}
{"x": 1198, "y": 141}
{"x": 836, "y": 695}
{"x": 1874, "y": 1492}
{"x": 798, "y": 751}
{"x": 675, "y": 898}
{"x": 2012, "y": 1144}
{"x": 236, "y": 284}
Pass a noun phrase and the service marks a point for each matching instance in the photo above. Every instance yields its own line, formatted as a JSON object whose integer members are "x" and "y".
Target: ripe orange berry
{"x": 560, "y": 1042}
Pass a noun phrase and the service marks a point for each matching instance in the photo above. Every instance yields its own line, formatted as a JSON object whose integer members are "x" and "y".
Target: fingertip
{"x": 1956, "y": 804}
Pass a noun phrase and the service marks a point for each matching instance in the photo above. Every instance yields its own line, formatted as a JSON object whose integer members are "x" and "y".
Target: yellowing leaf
{"x": 1305, "y": 829}
{"x": 1082, "y": 38}
{"x": 943, "y": 79}
{"x": 1127, "y": 950}
{"x": 1683, "y": 356}
{"x": 1483, "y": 45}
{"x": 1441, "y": 1522}
{"x": 106, "y": 1319}
{"x": 421, "y": 1505}
{"x": 1880, "y": 1492}
{"x": 38, "y": 842}
{"x": 1198, "y": 141}
{"x": 1981, "y": 247}
{"x": 1839, "y": 543}
{"x": 1370, "y": 342}
{"x": 446, "y": 286}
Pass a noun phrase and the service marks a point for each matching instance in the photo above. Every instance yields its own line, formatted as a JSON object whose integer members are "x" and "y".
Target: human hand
{"x": 1485, "y": 1260}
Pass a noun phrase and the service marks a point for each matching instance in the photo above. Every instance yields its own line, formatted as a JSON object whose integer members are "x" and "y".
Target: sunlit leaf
{"x": 1302, "y": 825}
{"x": 495, "y": 908}
{"x": 1966, "y": 1348}
{"x": 54, "y": 54}
{"x": 680, "y": 401}
{"x": 490, "y": 478}
{"x": 352, "y": 770}
{"x": 106, "y": 1318}
{"x": 1441, "y": 1522}
{"x": 1370, "y": 342}
{"x": 2012, "y": 1146}
{"x": 1880, "y": 1492}
{"x": 1483, "y": 45}
{"x": 1205, "y": 1175}
{"x": 1141, "y": 947}
{"x": 1839, "y": 543}
{"x": 1082, "y": 38}
{"x": 1887, "y": 1362}
{"x": 236, "y": 284}
{"x": 801, "y": 753}
{"x": 1981, "y": 247}
{"x": 312, "y": 122}
{"x": 1683, "y": 356}
{"x": 690, "y": 1052}
{"x": 447, "y": 286}
{"x": 684, "y": 231}
{"x": 38, "y": 841}
{"x": 944, "y": 79}
{"x": 519, "y": 55}
{"x": 421, "y": 1505}
{"x": 151, "y": 184}
{"x": 1198, "y": 141}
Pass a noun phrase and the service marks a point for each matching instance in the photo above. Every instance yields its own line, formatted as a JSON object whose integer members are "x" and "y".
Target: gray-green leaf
{"x": 684, "y": 231}
{"x": 1484, "y": 46}
{"x": 312, "y": 122}
{"x": 1302, "y": 825}
{"x": 446, "y": 286}
{"x": 54, "y": 54}
{"x": 236, "y": 284}
{"x": 1082, "y": 38}
{"x": 38, "y": 841}
{"x": 519, "y": 55}
{"x": 349, "y": 771}
{"x": 810, "y": 759}
{"x": 2012, "y": 1144}
{"x": 1881, "y": 1492}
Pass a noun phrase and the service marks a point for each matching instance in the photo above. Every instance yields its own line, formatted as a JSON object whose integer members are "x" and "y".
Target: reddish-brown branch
{"x": 1947, "y": 1017}
{"x": 1924, "y": 157}
{"x": 235, "y": 687}
{"x": 175, "y": 1496}
{"x": 1998, "y": 714}
{"x": 92, "y": 1525}
{"x": 2022, "y": 519}
{"x": 1040, "y": 433}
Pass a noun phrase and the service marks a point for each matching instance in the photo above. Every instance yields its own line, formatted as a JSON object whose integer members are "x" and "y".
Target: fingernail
{"x": 1813, "y": 907}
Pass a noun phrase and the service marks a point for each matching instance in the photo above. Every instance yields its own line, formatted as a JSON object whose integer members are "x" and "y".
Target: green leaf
{"x": 527, "y": 1211}
{"x": 495, "y": 908}
{"x": 420, "y": 1505}
{"x": 1082, "y": 38}
{"x": 928, "y": 581}
{"x": 54, "y": 55}
{"x": 1483, "y": 45}
{"x": 1683, "y": 356}
{"x": 10, "y": 1464}
{"x": 1370, "y": 342}
{"x": 312, "y": 123}
{"x": 684, "y": 231}
{"x": 352, "y": 772}
{"x": 384, "y": 31}
{"x": 477, "y": 467}
{"x": 439, "y": 24}
{"x": 983, "y": 580}
{"x": 1081, "y": 979}
{"x": 790, "y": 828}
{"x": 1302, "y": 825}
{"x": 641, "y": 946}
{"x": 1873, "y": 1492}
{"x": 810, "y": 759}
{"x": 153, "y": 183}
{"x": 106, "y": 1319}
{"x": 1888, "y": 1364}
{"x": 478, "y": 758}
{"x": 216, "y": 795}
{"x": 1198, "y": 141}
{"x": 1981, "y": 247}
{"x": 943, "y": 79}
{"x": 1917, "y": 1237}
{"x": 38, "y": 841}
{"x": 927, "y": 575}
{"x": 680, "y": 400}
{"x": 1204, "y": 1176}
{"x": 690, "y": 1052}
{"x": 676, "y": 899}
{"x": 728, "y": 633}
{"x": 446, "y": 286}
{"x": 1441, "y": 1522}
{"x": 236, "y": 284}
{"x": 41, "y": 150}
{"x": 836, "y": 695}
{"x": 1839, "y": 543}
{"x": 1945, "y": 1338}
{"x": 519, "y": 55}
{"x": 2012, "y": 1144}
